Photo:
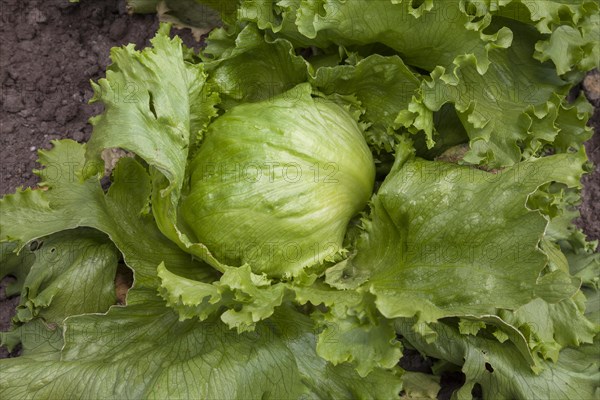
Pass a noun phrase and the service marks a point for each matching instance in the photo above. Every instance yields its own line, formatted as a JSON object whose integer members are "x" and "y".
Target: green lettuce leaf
{"x": 39, "y": 341}
{"x": 73, "y": 273}
{"x": 156, "y": 105}
{"x": 352, "y": 328}
{"x": 142, "y": 351}
{"x": 420, "y": 386}
{"x": 247, "y": 67}
{"x": 142, "y": 6}
{"x": 226, "y": 8}
{"x": 181, "y": 13}
{"x": 427, "y": 36}
{"x": 16, "y": 265}
{"x": 571, "y": 29}
{"x": 501, "y": 370}
{"x": 72, "y": 201}
{"x": 551, "y": 327}
{"x": 248, "y": 297}
{"x": 571, "y": 47}
{"x": 451, "y": 143}
{"x": 506, "y": 106}
{"x": 384, "y": 87}
{"x": 447, "y": 240}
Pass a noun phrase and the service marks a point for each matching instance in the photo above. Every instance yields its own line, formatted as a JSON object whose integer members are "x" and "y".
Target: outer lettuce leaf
{"x": 247, "y": 67}
{"x": 550, "y": 327}
{"x": 434, "y": 34}
{"x": 572, "y": 25}
{"x": 571, "y": 123}
{"x": 142, "y": 351}
{"x": 156, "y": 105}
{"x": 420, "y": 261}
{"x": 547, "y": 325}
{"x": 182, "y": 13}
{"x": 496, "y": 327}
{"x": 71, "y": 201}
{"x": 572, "y": 240}
{"x": 573, "y": 47}
{"x": 551, "y": 13}
{"x": 506, "y": 106}
{"x": 451, "y": 144}
{"x": 39, "y": 341}
{"x": 501, "y": 366}
{"x": 592, "y": 307}
{"x": 248, "y": 297}
{"x": 143, "y": 6}
{"x": 384, "y": 86}
{"x": 352, "y": 328}
{"x": 16, "y": 265}
{"x": 420, "y": 386}
{"x": 501, "y": 370}
{"x": 73, "y": 273}
{"x": 368, "y": 344}
{"x": 226, "y": 8}
{"x": 155, "y": 120}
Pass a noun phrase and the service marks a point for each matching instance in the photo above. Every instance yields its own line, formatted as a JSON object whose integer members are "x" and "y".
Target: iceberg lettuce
{"x": 326, "y": 183}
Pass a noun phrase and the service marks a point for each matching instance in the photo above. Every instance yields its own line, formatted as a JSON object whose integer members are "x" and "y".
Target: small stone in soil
{"x": 36, "y": 16}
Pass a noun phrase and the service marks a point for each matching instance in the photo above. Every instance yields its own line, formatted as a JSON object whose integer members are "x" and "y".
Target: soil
{"x": 590, "y": 207}
{"x": 51, "y": 49}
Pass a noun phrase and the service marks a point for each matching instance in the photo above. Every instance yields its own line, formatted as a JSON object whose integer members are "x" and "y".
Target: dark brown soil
{"x": 51, "y": 49}
{"x": 590, "y": 208}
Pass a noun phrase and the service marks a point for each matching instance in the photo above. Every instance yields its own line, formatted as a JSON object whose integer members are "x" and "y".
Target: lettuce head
{"x": 281, "y": 179}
